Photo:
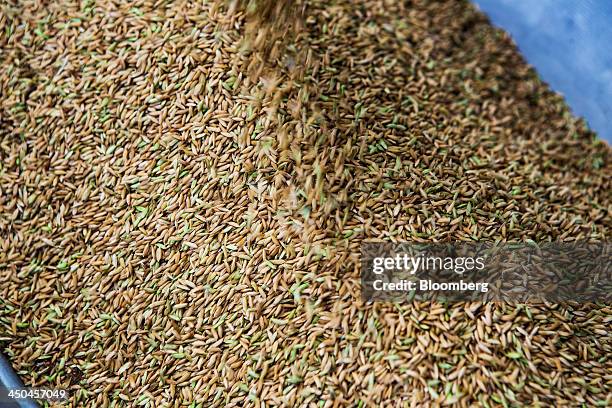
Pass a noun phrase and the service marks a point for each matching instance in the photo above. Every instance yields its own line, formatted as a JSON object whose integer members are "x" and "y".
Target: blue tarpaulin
{"x": 569, "y": 43}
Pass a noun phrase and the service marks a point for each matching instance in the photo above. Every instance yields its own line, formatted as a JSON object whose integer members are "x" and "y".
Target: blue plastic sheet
{"x": 569, "y": 42}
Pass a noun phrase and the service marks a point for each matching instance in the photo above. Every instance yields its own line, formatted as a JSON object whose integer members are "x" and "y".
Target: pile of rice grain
{"x": 177, "y": 232}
